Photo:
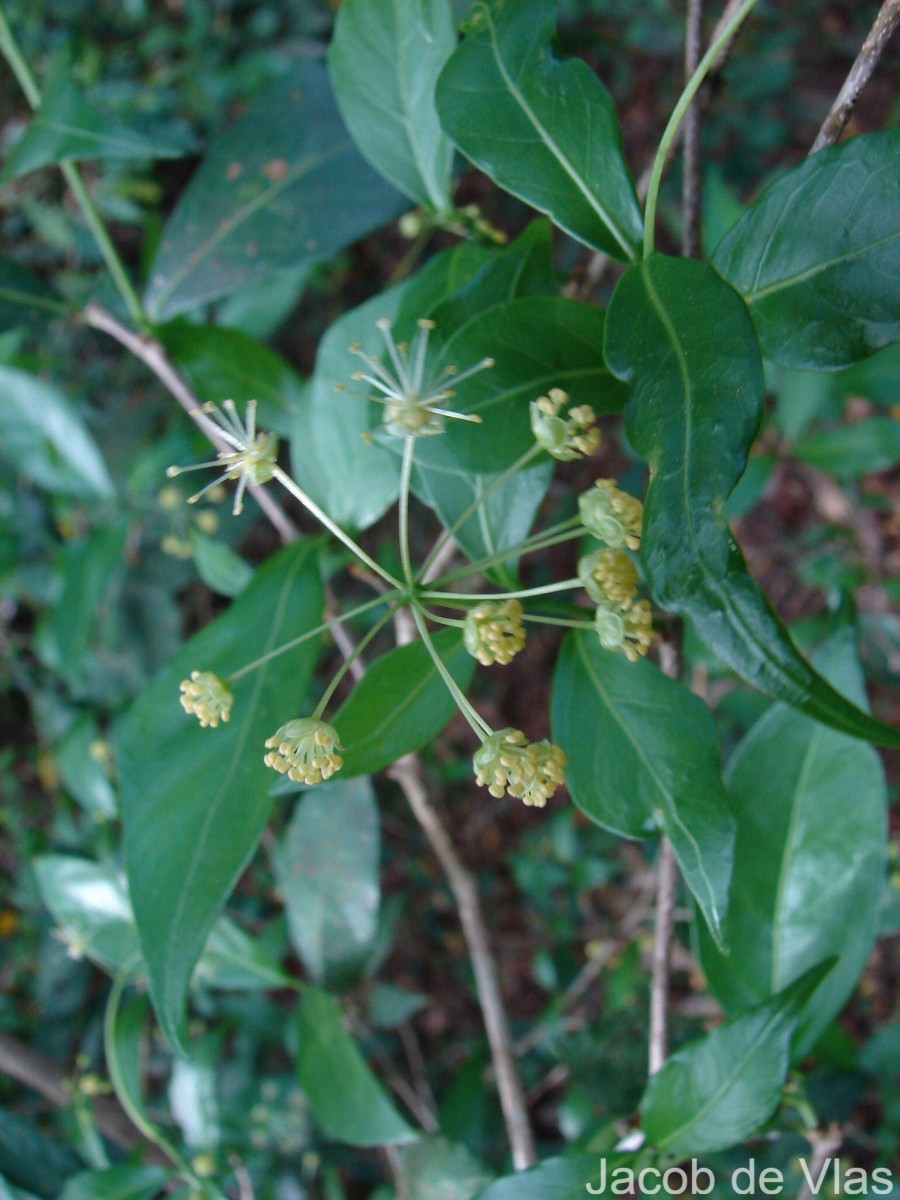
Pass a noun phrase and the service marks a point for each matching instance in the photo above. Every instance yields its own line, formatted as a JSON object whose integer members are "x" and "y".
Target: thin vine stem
{"x": 29, "y": 85}
{"x": 546, "y": 589}
{"x": 325, "y": 627}
{"x": 684, "y": 103}
{"x": 479, "y": 726}
{"x": 565, "y": 531}
{"x": 348, "y": 662}
{"x": 519, "y": 465}
{"x": 409, "y": 451}
{"x": 323, "y": 518}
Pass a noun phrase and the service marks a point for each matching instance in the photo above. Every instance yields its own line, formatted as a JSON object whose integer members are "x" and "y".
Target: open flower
{"x": 569, "y": 437}
{"x": 306, "y": 750}
{"x": 254, "y": 455}
{"x": 415, "y": 406}
{"x": 612, "y": 515}
{"x": 207, "y": 697}
{"x": 494, "y": 633}
{"x": 507, "y": 762}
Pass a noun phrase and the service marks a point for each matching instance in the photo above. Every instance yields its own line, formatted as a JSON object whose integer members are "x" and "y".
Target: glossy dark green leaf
{"x": 45, "y": 439}
{"x": 31, "y": 1160}
{"x": 347, "y": 1100}
{"x": 66, "y": 128}
{"x": 384, "y": 62}
{"x": 195, "y": 801}
{"x": 326, "y": 866}
{"x": 818, "y": 255}
{"x": 352, "y": 477}
{"x": 24, "y": 297}
{"x": 809, "y": 871}
{"x": 281, "y": 187}
{"x": 720, "y": 1089}
{"x": 116, "y": 1183}
{"x": 537, "y": 343}
{"x": 222, "y": 364}
{"x": 401, "y": 704}
{"x": 644, "y": 756}
{"x": 853, "y": 450}
{"x": 542, "y": 128}
{"x": 684, "y": 340}
{"x": 553, "y": 1179}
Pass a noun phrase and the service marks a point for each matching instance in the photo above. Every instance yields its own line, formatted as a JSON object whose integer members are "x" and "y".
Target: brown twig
{"x": 692, "y": 190}
{"x": 666, "y": 887}
{"x": 860, "y": 73}
{"x": 152, "y": 354}
{"x": 407, "y": 772}
{"x": 49, "y": 1080}
{"x": 824, "y": 1144}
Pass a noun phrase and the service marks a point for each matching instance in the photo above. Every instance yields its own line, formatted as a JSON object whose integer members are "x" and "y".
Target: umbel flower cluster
{"x": 307, "y": 749}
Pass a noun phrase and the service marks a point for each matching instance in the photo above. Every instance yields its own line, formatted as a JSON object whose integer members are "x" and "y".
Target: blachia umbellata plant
{"x": 441, "y": 408}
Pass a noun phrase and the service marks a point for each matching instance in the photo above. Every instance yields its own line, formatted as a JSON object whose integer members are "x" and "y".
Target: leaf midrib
{"x": 556, "y": 151}
{"x": 753, "y": 296}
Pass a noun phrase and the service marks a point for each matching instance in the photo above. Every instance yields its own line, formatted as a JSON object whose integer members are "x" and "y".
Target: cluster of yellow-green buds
{"x": 612, "y": 515}
{"x": 207, "y": 697}
{"x": 623, "y": 623}
{"x": 306, "y": 750}
{"x": 494, "y": 633}
{"x": 565, "y": 437}
{"x": 507, "y": 762}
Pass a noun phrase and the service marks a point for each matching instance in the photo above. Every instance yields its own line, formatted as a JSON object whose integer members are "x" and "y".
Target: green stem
{"x": 409, "y": 450}
{"x": 677, "y": 117}
{"x": 540, "y": 541}
{"x": 479, "y": 727}
{"x": 123, "y": 1094}
{"x": 29, "y": 85}
{"x": 308, "y": 503}
{"x": 562, "y": 622}
{"x": 350, "y": 660}
{"x": 453, "y": 621}
{"x": 546, "y": 590}
{"x": 311, "y": 633}
{"x": 472, "y": 508}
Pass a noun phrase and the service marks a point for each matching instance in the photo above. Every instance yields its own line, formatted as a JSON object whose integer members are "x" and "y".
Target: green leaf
{"x": 384, "y": 62}
{"x": 281, "y": 187}
{"x": 326, "y": 866}
{"x": 89, "y": 570}
{"x": 400, "y": 704}
{"x": 818, "y": 255}
{"x": 644, "y": 756}
{"x": 44, "y": 438}
{"x": 195, "y": 801}
{"x": 553, "y": 1179}
{"x": 66, "y": 129}
{"x": 853, "y": 450}
{"x": 684, "y": 340}
{"x": 31, "y": 1160}
{"x": 90, "y": 903}
{"x": 353, "y": 478}
{"x": 345, "y": 1096}
{"x": 544, "y": 129}
{"x": 222, "y": 363}
{"x": 220, "y": 567}
{"x": 82, "y": 770}
{"x": 440, "y": 1170}
{"x": 809, "y": 870}
{"x": 116, "y": 1183}
{"x": 25, "y": 299}
{"x": 719, "y": 1090}
{"x": 537, "y": 342}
